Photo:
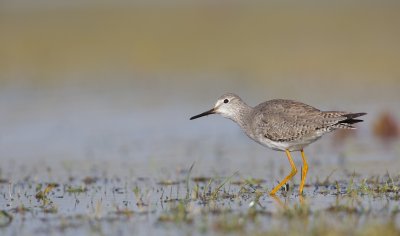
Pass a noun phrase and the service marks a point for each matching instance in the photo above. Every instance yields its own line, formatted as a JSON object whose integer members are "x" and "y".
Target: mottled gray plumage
{"x": 282, "y": 124}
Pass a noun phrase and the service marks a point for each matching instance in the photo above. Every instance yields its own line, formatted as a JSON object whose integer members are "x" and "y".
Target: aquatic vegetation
{"x": 355, "y": 205}
{"x": 5, "y": 219}
{"x": 79, "y": 189}
{"x": 42, "y": 195}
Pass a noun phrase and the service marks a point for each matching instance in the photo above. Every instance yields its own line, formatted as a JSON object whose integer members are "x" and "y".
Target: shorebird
{"x": 282, "y": 125}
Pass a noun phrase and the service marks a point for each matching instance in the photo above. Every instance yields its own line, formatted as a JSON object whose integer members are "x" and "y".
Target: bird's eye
{"x": 226, "y": 101}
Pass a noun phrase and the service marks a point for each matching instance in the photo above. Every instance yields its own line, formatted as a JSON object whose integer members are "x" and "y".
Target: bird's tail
{"x": 348, "y": 119}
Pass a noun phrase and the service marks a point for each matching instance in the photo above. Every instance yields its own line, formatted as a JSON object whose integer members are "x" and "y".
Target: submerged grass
{"x": 205, "y": 204}
{"x": 79, "y": 189}
{"x": 5, "y": 218}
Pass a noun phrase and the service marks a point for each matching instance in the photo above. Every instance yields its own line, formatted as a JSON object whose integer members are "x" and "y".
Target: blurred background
{"x": 113, "y": 83}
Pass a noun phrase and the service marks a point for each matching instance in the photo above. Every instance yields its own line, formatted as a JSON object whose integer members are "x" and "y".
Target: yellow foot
{"x": 289, "y": 177}
{"x": 278, "y": 201}
{"x": 304, "y": 171}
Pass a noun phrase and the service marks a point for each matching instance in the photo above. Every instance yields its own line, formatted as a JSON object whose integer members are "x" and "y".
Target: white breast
{"x": 291, "y": 146}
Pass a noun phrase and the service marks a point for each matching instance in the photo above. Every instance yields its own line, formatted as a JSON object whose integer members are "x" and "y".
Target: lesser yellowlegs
{"x": 283, "y": 125}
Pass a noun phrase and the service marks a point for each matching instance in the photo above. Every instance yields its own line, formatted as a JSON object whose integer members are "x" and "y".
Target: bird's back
{"x": 288, "y": 121}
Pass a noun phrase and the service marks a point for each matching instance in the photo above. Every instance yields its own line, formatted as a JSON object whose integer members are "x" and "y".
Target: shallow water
{"x": 125, "y": 204}
{"x": 135, "y": 163}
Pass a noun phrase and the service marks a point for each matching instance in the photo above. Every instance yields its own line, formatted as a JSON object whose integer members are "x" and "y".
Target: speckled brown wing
{"x": 287, "y": 120}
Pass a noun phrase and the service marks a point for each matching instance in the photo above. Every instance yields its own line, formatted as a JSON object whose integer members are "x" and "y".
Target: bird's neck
{"x": 242, "y": 116}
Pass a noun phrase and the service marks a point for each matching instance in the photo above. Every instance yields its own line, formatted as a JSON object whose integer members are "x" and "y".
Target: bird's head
{"x": 227, "y": 105}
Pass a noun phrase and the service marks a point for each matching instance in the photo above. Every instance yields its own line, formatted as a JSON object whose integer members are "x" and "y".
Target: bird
{"x": 283, "y": 125}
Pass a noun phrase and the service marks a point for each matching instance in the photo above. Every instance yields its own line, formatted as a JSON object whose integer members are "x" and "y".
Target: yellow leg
{"x": 292, "y": 173}
{"x": 303, "y": 172}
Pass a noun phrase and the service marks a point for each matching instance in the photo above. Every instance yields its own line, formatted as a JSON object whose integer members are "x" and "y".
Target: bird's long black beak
{"x": 206, "y": 113}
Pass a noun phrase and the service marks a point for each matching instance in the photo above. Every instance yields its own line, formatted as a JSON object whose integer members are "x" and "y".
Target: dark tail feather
{"x": 350, "y": 119}
{"x": 354, "y": 115}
